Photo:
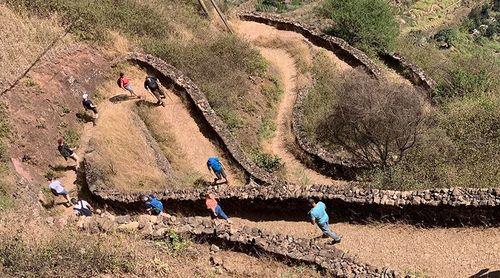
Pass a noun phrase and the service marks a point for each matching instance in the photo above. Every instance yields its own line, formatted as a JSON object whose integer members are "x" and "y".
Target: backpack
{"x": 152, "y": 83}
{"x": 83, "y": 210}
{"x": 118, "y": 82}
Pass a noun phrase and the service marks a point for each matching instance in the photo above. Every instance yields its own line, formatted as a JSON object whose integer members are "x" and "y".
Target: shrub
{"x": 463, "y": 82}
{"x": 277, "y": 5}
{"x": 374, "y": 121}
{"x": 447, "y": 35}
{"x": 268, "y": 162}
{"x": 71, "y": 137}
{"x": 367, "y": 24}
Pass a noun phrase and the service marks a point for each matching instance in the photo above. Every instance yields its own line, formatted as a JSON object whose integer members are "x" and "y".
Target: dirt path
{"x": 270, "y": 44}
{"x": 439, "y": 252}
{"x": 182, "y": 140}
{"x": 189, "y": 147}
{"x": 295, "y": 170}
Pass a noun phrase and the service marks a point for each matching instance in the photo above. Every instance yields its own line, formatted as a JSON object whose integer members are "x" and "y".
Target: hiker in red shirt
{"x": 124, "y": 83}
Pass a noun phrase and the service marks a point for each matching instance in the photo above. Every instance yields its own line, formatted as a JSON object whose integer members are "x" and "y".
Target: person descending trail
{"x": 319, "y": 217}
{"x": 214, "y": 208}
{"x": 81, "y": 207}
{"x": 89, "y": 105}
{"x": 124, "y": 83}
{"x": 215, "y": 165}
{"x": 58, "y": 190}
{"x": 152, "y": 85}
{"x": 153, "y": 205}
{"x": 66, "y": 151}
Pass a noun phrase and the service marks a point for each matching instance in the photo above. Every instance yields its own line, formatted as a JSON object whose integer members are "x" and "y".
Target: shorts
{"x": 128, "y": 87}
{"x": 63, "y": 193}
{"x": 220, "y": 174}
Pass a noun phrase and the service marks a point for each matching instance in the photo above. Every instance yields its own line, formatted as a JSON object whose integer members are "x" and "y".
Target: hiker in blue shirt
{"x": 318, "y": 216}
{"x": 153, "y": 205}
{"x": 215, "y": 165}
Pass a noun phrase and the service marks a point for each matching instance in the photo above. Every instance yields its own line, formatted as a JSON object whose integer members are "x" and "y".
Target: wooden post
{"x": 204, "y": 7}
{"x": 221, "y": 16}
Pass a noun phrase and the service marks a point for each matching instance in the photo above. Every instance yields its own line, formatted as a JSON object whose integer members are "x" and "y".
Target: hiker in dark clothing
{"x": 81, "y": 207}
{"x": 66, "y": 151}
{"x": 151, "y": 84}
{"x": 88, "y": 105}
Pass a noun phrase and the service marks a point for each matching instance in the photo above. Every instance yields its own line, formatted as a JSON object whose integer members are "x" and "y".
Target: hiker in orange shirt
{"x": 214, "y": 208}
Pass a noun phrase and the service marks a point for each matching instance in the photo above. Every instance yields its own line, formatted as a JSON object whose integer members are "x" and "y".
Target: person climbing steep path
{"x": 89, "y": 105}
{"x": 58, "y": 190}
{"x": 319, "y": 217}
{"x": 153, "y": 205}
{"x": 152, "y": 85}
{"x": 124, "y": 83}
{"x": 215, "y": 165}
{"x": 82, "y": 207}
{"x": 67, "y": 152}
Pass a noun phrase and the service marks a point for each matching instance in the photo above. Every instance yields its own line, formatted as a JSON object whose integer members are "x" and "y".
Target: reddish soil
{"x": 43, "y": 106}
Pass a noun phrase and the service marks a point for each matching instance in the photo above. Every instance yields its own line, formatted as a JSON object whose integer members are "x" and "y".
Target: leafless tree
{"x": 376, "y": 121}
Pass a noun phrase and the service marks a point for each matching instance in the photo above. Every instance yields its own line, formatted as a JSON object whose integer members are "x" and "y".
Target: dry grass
{"x": 34, "y": 249}
{"x": 171, "y": 147}
{"x": 22, "y": 39}
{"x": 123, "y": 150}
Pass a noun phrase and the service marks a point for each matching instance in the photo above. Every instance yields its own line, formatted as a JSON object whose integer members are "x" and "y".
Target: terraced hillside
{"x": 242, "y": 97}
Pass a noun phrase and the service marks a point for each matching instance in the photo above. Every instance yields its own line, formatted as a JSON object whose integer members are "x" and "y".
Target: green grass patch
{"x": 367, "y": 24}
{"x": 268, "y": 162}
{"x": 278, "y": 6}
{"x": 71, "y": 137}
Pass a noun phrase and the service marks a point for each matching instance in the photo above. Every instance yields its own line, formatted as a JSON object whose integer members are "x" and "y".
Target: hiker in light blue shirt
{"x": 318, "y": 216}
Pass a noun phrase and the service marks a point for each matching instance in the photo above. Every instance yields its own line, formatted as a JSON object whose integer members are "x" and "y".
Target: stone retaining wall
{"x": 409, "y": 70}
{"x": 341, "y": 48}
{"x": 344, "y": 50}
{"x": 323, "y": 160}
{"x": 334, "y": 261}
{"x": 183, "y": 84}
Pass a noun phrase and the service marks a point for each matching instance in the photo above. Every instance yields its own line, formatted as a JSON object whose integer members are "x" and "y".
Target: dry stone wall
{"x": 409, "y": 70}
{"x": 184, "y": 84}
{"x": 349, "y": 54}
{"x": 456, "y": 206}
{"x": 344, "y": 50}
{"x": 332, "y": 260}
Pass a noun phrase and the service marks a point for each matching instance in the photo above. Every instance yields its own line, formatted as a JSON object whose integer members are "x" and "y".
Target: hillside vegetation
{"x": 233, "y": 75}
{"x": 459, "y": 142}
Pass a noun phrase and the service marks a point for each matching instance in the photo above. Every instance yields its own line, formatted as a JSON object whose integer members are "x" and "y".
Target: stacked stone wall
{"x": 330, "y": 259}
{"x": 456, "y": 206}
{"x": 344, "y": 50}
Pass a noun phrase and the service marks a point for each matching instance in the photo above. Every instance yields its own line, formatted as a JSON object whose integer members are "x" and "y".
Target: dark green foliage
{"x": 446, "y": 35}
{"x": 268, "y": 162}
{"x": 367, "y": 24}
{"x": 277, "y": 5}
